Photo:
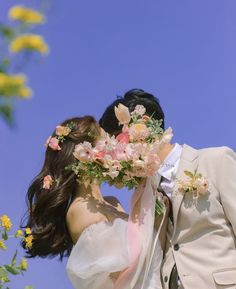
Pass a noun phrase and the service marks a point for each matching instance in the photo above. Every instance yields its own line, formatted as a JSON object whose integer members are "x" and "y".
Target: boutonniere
{"x": 194, "y": 183}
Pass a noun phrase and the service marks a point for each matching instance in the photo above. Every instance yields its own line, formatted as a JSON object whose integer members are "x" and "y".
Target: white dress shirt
{"x": 169, "y": 168}
{"x": 168, "y": 171}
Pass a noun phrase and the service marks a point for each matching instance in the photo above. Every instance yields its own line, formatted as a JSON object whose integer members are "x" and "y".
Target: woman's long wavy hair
{"x": 47, "y": 208}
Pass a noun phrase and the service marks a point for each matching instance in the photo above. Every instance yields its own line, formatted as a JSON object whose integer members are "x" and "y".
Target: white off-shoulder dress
{"x": 101, "y": 250}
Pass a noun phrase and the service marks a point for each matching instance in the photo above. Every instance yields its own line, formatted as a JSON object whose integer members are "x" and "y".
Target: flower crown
{"x": 61, "y": 133}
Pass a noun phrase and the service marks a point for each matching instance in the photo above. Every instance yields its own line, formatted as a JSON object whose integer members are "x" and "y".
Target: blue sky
{"x": 183, "y": 51}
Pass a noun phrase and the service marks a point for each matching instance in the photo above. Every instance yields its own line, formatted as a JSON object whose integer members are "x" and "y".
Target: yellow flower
{"x": 4, "y": 279}
{"x": 28, "y": 231}
{"x": 14, "y": 85}
{"x": 19, "y": 233}
{"x": 25, "y": 92}
{"x": 62, "y": 130}
{"x": 6, "y": 222}
{"x": 28, "y": 241}
{"x": 32, "y": 42}
{"x": 26, "y": 15}
{"x": 2, "y": 245}
{"x": 23, "y": 264}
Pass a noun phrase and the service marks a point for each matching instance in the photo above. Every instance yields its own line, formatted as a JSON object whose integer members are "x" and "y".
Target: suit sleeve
{"x": 227, "y": 184}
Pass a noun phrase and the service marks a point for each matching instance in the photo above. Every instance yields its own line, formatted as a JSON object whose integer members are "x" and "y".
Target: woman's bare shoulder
{"x": 114, "y": 202}
{"x": 79, "y": 216}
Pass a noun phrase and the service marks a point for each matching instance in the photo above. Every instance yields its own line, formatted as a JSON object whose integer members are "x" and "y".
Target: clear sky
{"x": 183, "y": 51}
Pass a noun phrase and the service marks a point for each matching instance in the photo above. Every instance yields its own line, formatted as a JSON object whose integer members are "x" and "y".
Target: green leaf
{"x": 29, "y": 287}
{"x": 4, "y": 235}
{"x": 3, "y": 273}
{"x": 198, "y": 176}
{"x": 6, "y": 112}
{"x": 4, "y": 65}
{"x": 189, "y": 174}
{"x": 13, "y": 261}
{"x": 12, "y": 270}
{"x": 159, "y": 208}
{"x": 7, "y": 31}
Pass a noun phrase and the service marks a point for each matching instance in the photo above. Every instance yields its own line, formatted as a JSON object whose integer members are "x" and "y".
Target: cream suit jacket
{"x": 202, "y": 240}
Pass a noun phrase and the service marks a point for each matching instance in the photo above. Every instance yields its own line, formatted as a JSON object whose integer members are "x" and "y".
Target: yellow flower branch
{"x": 13, "y": 268}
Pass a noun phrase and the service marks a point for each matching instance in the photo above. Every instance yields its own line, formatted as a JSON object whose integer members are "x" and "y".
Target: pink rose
{"x": 47, "y": 182}
{"x": 99, "y": 155}
{"x": 53, "y": 143}
{"x": 123, "y": 137}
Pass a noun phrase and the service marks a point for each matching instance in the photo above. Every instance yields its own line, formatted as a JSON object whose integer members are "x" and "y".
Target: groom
{"x": 201, "y": 239}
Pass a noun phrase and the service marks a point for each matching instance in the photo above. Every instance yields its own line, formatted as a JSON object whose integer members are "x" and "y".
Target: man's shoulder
{"x": 214, "y": 152}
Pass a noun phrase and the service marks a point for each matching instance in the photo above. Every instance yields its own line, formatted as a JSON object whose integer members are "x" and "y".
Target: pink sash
{"x": 140, "y": 234}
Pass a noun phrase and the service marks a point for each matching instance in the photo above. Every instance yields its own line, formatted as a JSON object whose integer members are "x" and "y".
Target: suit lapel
{"x": 188, "y": 162}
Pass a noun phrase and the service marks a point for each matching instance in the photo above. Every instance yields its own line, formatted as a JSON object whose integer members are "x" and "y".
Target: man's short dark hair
{"x": 131, "y": 98}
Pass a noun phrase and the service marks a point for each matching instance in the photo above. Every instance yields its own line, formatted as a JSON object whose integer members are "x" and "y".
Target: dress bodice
{"x": 100, "y": 250}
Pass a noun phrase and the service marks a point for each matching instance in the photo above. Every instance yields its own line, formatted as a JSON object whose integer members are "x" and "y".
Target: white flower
{"x": 122, "y": 114}
{"x": 139, "y": 110}
{"x": 112, "y": 174}
{"x": 113, "y": 167}
{"x": 106, "y": 143}
{"x": 195, "y": 183}
{"x": 84, "y": 152}
{"x": 111, "y": 164}
{"x": 202, "y": 185}
{"x": 134, "y": 150}
{"x": 138, "y": 168}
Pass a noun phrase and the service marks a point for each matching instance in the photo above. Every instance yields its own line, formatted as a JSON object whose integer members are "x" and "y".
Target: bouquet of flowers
{"x": 125, "y": 159}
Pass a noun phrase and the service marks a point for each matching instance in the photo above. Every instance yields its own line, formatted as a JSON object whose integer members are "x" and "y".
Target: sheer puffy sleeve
{"x": 100, "y": 250}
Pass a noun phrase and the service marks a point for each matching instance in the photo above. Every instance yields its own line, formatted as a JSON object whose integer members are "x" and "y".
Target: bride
{"x": 107, "y": 248}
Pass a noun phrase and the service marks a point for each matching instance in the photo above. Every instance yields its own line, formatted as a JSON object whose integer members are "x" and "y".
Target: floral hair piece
{"x": 61, "y": 133}
{"x": 47, "y": 182}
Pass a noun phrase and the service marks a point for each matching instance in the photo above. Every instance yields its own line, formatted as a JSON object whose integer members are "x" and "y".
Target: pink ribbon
{"x": 142, "y": 203}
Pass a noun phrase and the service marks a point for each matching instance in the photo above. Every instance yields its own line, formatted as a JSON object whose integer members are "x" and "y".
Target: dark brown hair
{"x": 47, "y": 208}
{"x": 130, "y": 99}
